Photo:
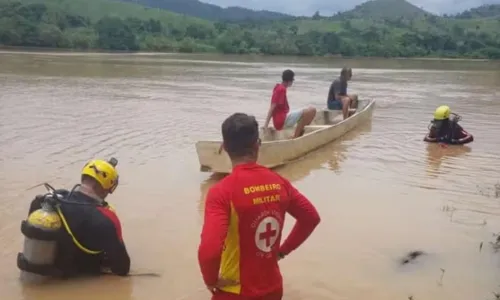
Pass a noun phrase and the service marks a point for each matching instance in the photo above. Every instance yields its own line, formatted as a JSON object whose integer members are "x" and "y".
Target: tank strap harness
{"x": 57, "y": 206}
{"x": 450, "y": 134}
{"x": 50, "y": 203}
{"x": 68, "y": 230}
{"x": 454, "y": 121}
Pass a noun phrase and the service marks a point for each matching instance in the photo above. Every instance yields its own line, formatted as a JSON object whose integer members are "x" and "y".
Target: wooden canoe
{"x": 278, "y": 148}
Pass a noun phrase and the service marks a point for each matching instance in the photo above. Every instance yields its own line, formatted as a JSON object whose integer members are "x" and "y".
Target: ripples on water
{"x": 380, "y": 189}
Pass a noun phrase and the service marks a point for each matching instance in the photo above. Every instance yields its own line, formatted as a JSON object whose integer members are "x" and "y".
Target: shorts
{"x": 278, "y": 295}
{"x": 292, "y": 118}
{"x": 334, "y": 104}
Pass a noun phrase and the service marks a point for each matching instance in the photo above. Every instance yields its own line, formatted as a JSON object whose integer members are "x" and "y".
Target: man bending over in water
{"x": 338, "y": 99}
{"x": 280, "y": 111}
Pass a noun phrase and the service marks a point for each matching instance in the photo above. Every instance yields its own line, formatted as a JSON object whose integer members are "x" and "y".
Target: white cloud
{"x": 328, "y": 7}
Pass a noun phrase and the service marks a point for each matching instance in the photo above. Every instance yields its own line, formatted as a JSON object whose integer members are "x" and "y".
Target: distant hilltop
{"x": 368, "y": 9}
{"x": 207, "y": 11}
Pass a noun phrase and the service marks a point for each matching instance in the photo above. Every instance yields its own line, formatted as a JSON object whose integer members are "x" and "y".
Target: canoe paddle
{"x": 134, "y": 274}
{"x": 145, "y": 274}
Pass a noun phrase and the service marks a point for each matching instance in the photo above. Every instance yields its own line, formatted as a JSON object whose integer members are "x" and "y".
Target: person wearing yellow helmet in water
{"x": 92, "y": 242}
{"x": 444, "y": 128}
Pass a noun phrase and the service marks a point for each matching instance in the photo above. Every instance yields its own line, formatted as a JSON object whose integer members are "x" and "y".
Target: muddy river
{"x": 380, "y": 190}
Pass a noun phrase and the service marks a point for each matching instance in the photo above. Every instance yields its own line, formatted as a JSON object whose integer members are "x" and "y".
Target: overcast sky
{"x": 328, "y": 7}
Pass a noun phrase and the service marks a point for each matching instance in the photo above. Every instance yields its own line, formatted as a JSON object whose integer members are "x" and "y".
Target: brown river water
{"x": 380, "y": 190}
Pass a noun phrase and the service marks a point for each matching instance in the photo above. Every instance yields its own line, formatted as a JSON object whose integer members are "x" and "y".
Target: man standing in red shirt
{"x": 244, "y": 216}
{"x": 280, "y": 111}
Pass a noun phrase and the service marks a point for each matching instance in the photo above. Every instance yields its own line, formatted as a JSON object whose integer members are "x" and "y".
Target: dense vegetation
{"x": 484, "y": 11}
{"x": 403, "y": 31}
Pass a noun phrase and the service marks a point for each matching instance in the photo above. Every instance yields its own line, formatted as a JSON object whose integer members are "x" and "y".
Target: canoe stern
{"x": 212, "y": 158}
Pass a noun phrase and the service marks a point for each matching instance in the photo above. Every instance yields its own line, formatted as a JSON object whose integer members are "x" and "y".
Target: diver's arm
{"x": 464, "y": 136}
{"x": 429, "y": 139}
{"x": 431, "y": 136}
{"x": 117, "y": 256}
{"x": 469, "y": 138}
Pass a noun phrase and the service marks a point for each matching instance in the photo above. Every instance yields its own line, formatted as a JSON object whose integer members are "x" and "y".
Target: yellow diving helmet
{"x": 104, "y": 172}
{"x": 442, "y": 113}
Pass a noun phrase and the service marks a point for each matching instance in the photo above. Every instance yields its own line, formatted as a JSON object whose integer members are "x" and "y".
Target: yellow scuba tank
{"x": 45, "y": 226}
{"x": 41, "y": 232}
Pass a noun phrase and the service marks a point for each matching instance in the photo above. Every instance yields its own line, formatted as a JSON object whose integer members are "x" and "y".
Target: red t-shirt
{"x": 279, "y": 98}
{"x": 241, "y": 235}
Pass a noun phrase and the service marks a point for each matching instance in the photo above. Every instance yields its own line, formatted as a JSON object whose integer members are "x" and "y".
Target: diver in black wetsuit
{"x": 91, "y": 243}
{"x": 446, "y": 130}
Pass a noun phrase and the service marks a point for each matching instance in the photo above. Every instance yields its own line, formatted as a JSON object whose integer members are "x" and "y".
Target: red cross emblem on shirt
{"x": 268, "y": 234}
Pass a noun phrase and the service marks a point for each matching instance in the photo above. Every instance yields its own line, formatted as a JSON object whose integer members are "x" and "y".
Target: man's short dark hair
{"x": 287, "y": 76}
{"x": 345, "y": 71}
{"x": 240, "y": 133}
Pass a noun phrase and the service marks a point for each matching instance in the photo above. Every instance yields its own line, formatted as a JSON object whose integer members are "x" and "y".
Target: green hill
{"x": 363, "y": 31}
{"x": 384, "y": 9}
{"x": 99, "y": 24}
{"x": 97, "y": 9}
{"x": 207, "y": 11}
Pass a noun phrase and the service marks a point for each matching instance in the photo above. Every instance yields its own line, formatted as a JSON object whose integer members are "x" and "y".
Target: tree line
{"x": 42, "y": 25}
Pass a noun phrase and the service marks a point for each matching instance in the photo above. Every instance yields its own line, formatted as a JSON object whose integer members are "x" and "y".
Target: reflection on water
{"x": 332, "y": 154}
{"x": 81, "y": 288}
{"x": 436, "y": 155}
{"x": 380, "y": 190}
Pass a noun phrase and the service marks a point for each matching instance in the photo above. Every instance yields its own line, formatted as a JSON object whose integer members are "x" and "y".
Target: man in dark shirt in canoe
{"x": 338, "y": 99}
